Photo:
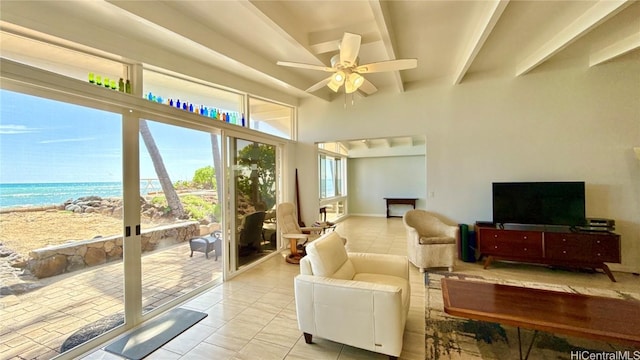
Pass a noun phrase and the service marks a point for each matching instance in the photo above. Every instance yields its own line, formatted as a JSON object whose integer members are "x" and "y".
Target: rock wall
{"x": 55, "y": 260}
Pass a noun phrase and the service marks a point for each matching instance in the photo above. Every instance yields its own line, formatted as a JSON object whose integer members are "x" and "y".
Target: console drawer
{"x": 511, "y": 243}
{"x": 581, "y": 247}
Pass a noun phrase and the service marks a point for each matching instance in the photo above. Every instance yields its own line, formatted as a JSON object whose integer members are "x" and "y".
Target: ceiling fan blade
{"x": 305, "y": 66}
{"x": 319, "y": 85}
{"x": 367, "y": 87}
{"x": 391, "y": 65}
{"x": 349, "y": 49}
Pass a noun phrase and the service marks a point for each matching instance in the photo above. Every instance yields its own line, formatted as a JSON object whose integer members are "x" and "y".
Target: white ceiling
{"x": 452, "y": 40}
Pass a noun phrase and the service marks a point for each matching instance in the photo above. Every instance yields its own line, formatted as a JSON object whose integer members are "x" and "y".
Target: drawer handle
{"x": 495, "y": 247}
{"x": 525, "y": 249}
{"x": 598, "y": 254}
{"x": 495, "y": 236}
{"x": 564, "y": 251}
{"x": 598, "y": 241}
{"x": 564, "y": 240}
{"x": 525, "y": 238}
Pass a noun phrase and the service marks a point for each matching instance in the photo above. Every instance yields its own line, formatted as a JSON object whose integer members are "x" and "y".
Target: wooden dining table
{"x": 594, "y": 317}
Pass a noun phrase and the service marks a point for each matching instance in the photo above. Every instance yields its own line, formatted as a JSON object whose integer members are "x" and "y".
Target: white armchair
{"x": 430, "y": 242}
{"x": 357, "y": 299}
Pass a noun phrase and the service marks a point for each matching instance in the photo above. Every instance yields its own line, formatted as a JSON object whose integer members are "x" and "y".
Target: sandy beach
{"x": 22, "y": 232}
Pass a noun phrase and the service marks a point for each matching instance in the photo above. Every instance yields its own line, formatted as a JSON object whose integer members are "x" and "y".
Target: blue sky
{"x": 49, "y": 141}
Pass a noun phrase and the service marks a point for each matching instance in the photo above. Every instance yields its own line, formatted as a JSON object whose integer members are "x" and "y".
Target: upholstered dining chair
{"x": 430, "y": 242}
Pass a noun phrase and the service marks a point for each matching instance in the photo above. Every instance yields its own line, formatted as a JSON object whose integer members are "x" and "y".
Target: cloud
{"x": 67, "y": 140}
{"x": 16, "y": 129}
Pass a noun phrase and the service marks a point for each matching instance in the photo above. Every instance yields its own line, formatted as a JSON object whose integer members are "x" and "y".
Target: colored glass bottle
{"x": 121, "y": 85}
{"x": 127, "y": 87}
{"x": 92, "y": 78}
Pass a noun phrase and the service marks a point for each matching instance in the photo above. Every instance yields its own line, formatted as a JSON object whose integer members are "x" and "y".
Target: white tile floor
{"x": 253, "y": 315}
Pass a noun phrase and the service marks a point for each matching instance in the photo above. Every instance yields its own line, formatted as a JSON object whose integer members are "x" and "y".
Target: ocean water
{"x": 41, "y": 194}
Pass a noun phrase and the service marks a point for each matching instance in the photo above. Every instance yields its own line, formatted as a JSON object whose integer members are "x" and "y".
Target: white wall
{"x": 562, "y": 121}
{"x": 372, "y": 179}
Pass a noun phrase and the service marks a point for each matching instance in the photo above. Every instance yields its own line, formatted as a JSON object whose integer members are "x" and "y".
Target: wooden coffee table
{"x": 594, "y": 317}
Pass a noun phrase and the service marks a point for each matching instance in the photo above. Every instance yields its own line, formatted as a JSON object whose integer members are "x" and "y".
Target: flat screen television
{"x": 540, "y": 203}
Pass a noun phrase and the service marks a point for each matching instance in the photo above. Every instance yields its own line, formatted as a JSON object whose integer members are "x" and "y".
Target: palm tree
{"x": 215, "y": 150}
{"x": 173, "y": 201}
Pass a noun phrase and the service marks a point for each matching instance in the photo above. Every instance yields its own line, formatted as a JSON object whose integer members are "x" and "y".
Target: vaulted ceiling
{"x": 452, "y": 40}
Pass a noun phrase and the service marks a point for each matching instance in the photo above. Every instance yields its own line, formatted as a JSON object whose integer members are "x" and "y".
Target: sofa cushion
{"x": 432, "y": 240}
{"x": 387, "y": 280}
{"x": 328, "y": 257}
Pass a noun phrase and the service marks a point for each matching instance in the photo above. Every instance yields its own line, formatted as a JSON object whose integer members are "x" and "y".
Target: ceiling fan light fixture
{"x": 338, "y": 77}
{"x": 353, "y": 82}
{"x": 333, "y": 85}
{"x": 346, "y": 70}
{"x": 356, "y": 79}
{"x": 336, "y": 81}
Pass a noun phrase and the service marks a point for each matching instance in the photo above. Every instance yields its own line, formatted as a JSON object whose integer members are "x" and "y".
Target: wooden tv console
{"x": 570, "y": 249}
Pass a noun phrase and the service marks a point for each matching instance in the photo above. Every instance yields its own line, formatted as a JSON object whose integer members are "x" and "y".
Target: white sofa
{"x": 430, "y": 242}
{"x": 357, "y": 299}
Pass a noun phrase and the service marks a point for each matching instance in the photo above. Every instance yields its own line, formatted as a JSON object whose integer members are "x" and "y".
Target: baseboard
{"x": 368, "y": 215}
{"x": 623, "y": 268}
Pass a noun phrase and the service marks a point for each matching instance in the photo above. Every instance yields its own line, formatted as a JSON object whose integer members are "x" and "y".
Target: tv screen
{"x": 540, "y": 203}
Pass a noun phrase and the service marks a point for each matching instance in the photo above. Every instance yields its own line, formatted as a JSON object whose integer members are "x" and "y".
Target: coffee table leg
{"x": 533, "y": 339}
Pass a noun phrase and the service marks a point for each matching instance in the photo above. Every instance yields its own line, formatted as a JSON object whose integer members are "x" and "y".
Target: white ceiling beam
{"x": 273, "y": 14}
{"x": 345, "y": 144}
{"x": 619, "y": 48}
{"x": 163, "y": 16}
{"x": 383, "y": 22}
{"x": 388, "y": 142}
{"x": 322, "y": 42}
{"x": 485, "y": 26}
{"x": 593, "y": 17}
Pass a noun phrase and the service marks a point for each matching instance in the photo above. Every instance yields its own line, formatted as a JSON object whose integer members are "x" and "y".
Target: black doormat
{"x": 155, "y": 333}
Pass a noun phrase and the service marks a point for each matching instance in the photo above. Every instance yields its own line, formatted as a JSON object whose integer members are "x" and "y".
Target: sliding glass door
{"x": 181, "y": 217}
{"x": 61, "y": 225}
{"x": 253, "y": 199}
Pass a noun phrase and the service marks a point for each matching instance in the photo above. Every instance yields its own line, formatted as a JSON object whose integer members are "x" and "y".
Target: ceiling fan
{"x": 346, "y": 70}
